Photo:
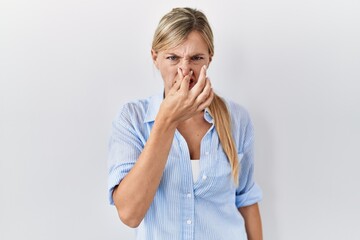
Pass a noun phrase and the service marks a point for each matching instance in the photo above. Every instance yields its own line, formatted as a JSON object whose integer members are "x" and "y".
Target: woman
{"x": 181, "y": 163}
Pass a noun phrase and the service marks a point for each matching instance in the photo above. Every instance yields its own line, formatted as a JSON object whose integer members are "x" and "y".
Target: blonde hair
{"x": 172, "y": 30}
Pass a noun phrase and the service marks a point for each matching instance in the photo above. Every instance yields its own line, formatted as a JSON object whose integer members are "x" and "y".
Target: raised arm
{"x": 134, "y": 194}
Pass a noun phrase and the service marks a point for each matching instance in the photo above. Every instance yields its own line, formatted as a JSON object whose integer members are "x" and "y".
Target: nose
{"x": 185, "y": 66}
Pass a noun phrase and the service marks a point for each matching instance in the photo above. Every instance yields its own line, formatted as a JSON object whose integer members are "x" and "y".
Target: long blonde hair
{"x": 172, "y": 30}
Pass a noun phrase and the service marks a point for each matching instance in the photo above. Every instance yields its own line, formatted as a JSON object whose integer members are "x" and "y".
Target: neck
{"x": 196, "y": 119}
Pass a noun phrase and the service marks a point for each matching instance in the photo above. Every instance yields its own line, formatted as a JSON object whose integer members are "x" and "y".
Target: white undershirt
{"x": 195, "y": 165}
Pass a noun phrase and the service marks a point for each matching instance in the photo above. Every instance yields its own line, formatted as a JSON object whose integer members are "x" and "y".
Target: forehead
{"x": 193, "y": 44}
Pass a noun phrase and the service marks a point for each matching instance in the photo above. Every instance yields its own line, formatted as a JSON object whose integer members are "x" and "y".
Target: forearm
{"x": 135, "y": 193}
{"x": 251, "y": 215}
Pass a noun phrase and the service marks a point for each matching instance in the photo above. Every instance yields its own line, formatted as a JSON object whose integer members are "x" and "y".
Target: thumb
{"x": 184, "y": 87}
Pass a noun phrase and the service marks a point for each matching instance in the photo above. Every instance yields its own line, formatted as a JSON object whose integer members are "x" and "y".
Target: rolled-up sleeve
{"x": 248, "y": 192}
{"x": 124, "y": 149}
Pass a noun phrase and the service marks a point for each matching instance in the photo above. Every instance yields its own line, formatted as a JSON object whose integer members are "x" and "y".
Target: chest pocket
{"x": 217, "y": 185}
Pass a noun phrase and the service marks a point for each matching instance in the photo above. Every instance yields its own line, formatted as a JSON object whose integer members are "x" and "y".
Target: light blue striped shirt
{"x": 182, "y": 209}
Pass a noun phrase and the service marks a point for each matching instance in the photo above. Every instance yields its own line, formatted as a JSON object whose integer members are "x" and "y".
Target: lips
{"x": 192, "y": 83}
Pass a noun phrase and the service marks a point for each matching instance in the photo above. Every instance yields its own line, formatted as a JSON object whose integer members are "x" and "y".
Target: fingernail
{"x": 205, "y": 67}
{"x": 191, "y": 72}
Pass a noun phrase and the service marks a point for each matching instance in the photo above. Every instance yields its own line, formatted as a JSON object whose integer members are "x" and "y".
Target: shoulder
{"x": 141, "y": 110}
{"x": 133, "y": 110}
{"x": 241, "y": 124}
{"x": 134, "y": 106}
{"x": 238, "y": 112}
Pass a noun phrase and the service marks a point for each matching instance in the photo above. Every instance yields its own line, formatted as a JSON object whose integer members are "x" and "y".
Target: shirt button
{"x": 188, "y": 195}
{"x": 188, "y": 221}
{"x": 204, "y": 177}
{"x": 206, "y": 153}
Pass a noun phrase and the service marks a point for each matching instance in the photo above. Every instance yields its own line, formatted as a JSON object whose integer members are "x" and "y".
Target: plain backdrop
{"x": 67, "y": 66}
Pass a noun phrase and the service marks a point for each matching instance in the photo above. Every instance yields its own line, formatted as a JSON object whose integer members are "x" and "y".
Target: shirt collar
{"x": 207, "y": 116}
{"x": 154, "y": 106}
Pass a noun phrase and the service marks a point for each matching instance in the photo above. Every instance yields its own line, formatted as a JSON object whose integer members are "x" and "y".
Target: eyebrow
{"x": 196, "y": 54}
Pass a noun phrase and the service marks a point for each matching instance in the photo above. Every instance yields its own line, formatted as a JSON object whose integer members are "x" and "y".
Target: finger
{"x": 184, "y": 87}
{"x": 205, "y": 92}
{"x": 177, "y": 84}
{"x": 177, "y": 81}
{"x": 181, "y": 75}
{"x": 200, "y": 84}
{"x": 207, "y": 102}
{"x": 203, "y": 72}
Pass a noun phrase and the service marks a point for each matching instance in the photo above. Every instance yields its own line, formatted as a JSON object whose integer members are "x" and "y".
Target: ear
{"x": 154, "y": 56}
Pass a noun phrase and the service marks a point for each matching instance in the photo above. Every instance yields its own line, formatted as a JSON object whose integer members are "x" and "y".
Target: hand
{"x": 181, "y": 103}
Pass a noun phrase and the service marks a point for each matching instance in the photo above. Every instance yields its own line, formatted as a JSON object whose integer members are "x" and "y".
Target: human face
{"x": 189, "y": 56}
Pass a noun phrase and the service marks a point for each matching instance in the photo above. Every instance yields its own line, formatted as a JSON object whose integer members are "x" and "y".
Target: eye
{"x": 197, "y": 58}
{"x": 172, "y": 58}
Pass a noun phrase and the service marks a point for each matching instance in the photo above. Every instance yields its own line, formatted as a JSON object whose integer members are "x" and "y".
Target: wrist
{"x": 165, "y": 122}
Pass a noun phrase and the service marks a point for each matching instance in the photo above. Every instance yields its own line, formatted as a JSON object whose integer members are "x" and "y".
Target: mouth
{"x": 192, "y": 83}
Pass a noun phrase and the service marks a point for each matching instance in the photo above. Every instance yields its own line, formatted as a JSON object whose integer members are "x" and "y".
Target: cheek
{"x": 169, "y": 74}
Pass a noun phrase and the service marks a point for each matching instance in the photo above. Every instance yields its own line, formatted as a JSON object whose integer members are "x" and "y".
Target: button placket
{"x": 188, "y": 197}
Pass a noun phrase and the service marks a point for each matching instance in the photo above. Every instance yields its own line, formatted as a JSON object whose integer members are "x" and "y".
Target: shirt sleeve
{"x": 124, "y": 149}
{"x": 248, "y": 192}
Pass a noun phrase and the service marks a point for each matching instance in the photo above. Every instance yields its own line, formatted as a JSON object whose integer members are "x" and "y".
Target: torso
{"x": 193, "y": 130}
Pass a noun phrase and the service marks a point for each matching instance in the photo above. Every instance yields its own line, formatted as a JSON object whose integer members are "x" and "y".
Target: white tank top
{"x": 195, "y": 165}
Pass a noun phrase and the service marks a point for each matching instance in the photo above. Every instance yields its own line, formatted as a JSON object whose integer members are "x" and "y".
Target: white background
{"x": 67, "y": 66}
